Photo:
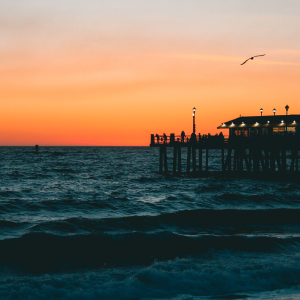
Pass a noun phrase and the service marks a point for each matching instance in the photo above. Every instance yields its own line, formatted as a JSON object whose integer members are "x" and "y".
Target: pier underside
{"x": 239, "y": 154}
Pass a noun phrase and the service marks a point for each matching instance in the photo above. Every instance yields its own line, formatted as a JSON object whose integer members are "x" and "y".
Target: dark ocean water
{"x": 101, "y": 223}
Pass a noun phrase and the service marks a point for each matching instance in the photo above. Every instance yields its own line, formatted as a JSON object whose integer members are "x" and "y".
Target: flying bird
{"x": 252, "y": 58}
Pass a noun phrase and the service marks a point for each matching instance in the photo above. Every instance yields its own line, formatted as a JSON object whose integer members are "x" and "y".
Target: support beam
{"x": 228, "y": 160}
{"x": 179, "y": 160}
{"x": 277, "y": 157}
{"x": 294, "y": 160}
{"x": 248, "y": 166}
{"x": 188, "y": 162}
{"x": 234, "y": 160}
{"x": 250, "y": 160}
{"x": 160, "y": 159}
{"x": 200, "y": 159}
{"x": 272, "y": 157}
{"x": 255, "y": 160}
{"x": 165, "y": 159}
{"x": 267, "y": 165}
{"x": 262, "y": 160}
{"x": 240, "y": 160}
{"x": 297, "y": 159}
{"x": 194, "y": 158}
{"x": 223, "y": 163}
{"x": 174, "y": 159}
{"x": 206, "y": 160}
{"x": 283, "y": 155}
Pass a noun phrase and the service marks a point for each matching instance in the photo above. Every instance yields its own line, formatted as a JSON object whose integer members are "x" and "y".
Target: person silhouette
{"x": 157, "y": 138}
{"x": 182, "y": 136}
{"x": 165, "y": 137}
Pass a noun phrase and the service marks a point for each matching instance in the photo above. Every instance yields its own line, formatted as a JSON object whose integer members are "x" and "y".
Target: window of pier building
{"x": 241, "y": 132}
{"x": 278, "y": 129}
{"x": 291, "y": 129}
{"x": 258, "y": 131}
{"x": 281, "y": 130}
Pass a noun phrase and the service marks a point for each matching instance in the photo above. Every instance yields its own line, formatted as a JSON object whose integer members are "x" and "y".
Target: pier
{"x": 255, "y": 145}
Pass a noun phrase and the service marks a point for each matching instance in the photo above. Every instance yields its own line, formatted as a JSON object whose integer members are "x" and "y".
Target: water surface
{"x": 101, "y": 223}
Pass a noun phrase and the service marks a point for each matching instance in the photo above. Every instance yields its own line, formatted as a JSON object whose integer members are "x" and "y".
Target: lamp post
{"x": 287, "y": 109}
{"x": 274, "y": 111}
{"x": 261, "y": 111}
{"x": 194, "y": 126}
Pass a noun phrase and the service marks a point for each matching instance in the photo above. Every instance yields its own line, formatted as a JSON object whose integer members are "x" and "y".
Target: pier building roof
{"x": 263, "y": 121}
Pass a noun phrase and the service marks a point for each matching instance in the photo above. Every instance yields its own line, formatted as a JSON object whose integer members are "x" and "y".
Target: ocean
{"x": 102, "y": 223}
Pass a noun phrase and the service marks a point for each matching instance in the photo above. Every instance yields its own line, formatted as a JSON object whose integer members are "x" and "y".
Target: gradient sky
{"x": 111, "y": 72}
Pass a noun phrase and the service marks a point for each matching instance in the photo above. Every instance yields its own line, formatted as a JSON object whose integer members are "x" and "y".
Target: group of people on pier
{"x": 184, "y": 138}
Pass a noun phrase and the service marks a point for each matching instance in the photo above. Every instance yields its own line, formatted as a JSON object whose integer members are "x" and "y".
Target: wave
{"x": 17, "y": 205}
{"x": 43, "y": 252}
{"x": 65, "y": 170}
{"x": 178, "y": 279}
{"x": 227, "y": 221}
{"x": 10, "y": 224}
{"x": 227, "y": 198}
{"x": 231, "y": 217}
{"x": 189, "y": 219}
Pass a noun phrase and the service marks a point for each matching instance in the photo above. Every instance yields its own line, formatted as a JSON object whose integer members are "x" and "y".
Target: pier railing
{"x": 220, "y": 141}
{"x": 171, "y": 139}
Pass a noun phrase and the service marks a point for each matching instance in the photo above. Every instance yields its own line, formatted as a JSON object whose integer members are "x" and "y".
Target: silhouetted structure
{"x": 254, "y": 144}
{"x": 263, "y": 125}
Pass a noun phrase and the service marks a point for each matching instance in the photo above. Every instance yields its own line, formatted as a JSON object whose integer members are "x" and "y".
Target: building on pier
{"x": 263, "y": 125}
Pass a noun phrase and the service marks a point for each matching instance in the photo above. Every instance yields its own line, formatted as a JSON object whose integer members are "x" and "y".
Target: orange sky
{"x": 74, "y": 77}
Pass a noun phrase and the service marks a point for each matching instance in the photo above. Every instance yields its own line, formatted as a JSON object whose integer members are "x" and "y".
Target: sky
{"x": 111, "y": 72}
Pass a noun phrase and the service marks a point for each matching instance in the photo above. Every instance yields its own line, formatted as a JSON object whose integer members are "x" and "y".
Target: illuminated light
{"x": 193, "y": 115}
{"x": 294, "y": 122}
{"x": 282, "y": 121}
{"x": 223, "y": 124}
{"x": 256, "y": 123}
{"x": 194, "y": 109}
{"x": 261, "y": 111}
{"x": 274, "y": 111}
{"x": 268, "y": 122}
{"x": 243, "y": 123}
{"x": 232, "y": 123}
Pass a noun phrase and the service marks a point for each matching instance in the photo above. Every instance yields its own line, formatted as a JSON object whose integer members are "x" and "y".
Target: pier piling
{"x": 165, "y": 159}
{"x": 252, "y": 155}
{"x": 179, "y": 160}
{"x": 200, "y": 159}
{"x": 188, "y": 162}
{"x": 206, "y": 160}
{"x": 194, "y": 158}
{"x": 174, "y": 159}
{"x": 223, "y": 163}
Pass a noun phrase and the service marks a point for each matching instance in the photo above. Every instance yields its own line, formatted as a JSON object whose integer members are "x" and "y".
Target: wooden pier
{"x": 264, "y": 154}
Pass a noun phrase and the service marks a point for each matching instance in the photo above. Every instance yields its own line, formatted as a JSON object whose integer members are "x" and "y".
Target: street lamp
{"x": 194, "y": 126}
{"x": 274, "y": 111}
{"x": 261, "y": 111}
{"x": 287, "y": 109}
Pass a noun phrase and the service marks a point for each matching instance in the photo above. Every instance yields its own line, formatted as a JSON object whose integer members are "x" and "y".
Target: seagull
{"x": 252, "y": 58}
